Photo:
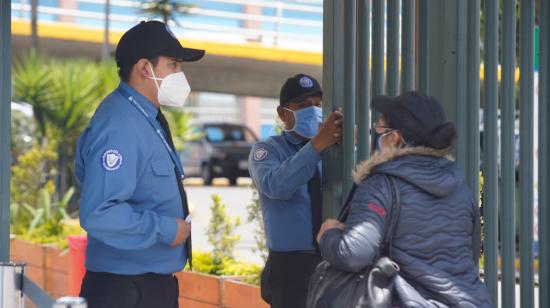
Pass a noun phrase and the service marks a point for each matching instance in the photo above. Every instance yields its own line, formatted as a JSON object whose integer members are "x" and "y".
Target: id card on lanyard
{"x": 156, "y": 126}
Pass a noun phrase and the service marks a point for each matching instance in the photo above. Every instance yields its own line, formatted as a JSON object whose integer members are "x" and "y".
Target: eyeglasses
{"x": 380, "y": 129}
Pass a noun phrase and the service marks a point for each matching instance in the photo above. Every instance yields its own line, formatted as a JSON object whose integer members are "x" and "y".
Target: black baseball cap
{"x": 298, "y": 88}
{"x": 417, "y": 116}
{"x": 150, "y": 39}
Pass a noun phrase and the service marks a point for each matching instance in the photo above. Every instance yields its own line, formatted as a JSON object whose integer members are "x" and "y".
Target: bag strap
{"x": 394, "y": 213}
{"x": 394, "y": 217}
{"x": 343, "y": 215}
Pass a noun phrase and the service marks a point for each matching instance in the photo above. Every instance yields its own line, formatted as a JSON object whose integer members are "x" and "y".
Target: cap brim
{"x": 303, "y": 96}
{"x": 185, "y": 54}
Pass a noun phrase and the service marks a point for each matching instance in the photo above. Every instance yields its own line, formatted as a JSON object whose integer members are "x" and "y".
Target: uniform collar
{"x": 141, "y": 99}
{"x": 290, "y": 137}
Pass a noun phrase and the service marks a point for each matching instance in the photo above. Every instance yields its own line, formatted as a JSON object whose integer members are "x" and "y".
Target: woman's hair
{"x": 443, "y": 137}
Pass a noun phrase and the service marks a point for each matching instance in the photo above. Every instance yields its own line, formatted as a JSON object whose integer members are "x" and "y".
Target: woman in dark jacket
{"x": 437, "y": 238}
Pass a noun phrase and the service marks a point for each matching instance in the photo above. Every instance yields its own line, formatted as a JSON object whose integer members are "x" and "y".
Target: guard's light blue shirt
{"x": 281, "y": 168}
{"x": 129, "y": 194}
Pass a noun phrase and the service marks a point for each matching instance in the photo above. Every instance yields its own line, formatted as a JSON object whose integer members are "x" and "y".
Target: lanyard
{"x": 156, "y": 126}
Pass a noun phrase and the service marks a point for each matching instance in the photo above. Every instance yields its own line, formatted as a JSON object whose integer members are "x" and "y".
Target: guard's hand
{"x": 329, "y": 224}
{"x": 330, "y": 132}
{"x": 184, "y": 230}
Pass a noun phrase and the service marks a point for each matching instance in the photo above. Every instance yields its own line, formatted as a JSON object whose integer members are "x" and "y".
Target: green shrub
{"x": 221, "y": 231}
{"x": 49, "y": 223}
{"x": 255, "y": 217}
{"x": 204, "y": 262}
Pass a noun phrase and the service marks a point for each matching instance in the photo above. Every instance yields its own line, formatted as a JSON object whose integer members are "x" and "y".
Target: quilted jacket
{"x": 437, "y": 239}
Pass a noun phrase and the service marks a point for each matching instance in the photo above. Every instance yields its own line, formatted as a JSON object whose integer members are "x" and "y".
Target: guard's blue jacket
{"x": 280, "y": 168}
{"x": 129, "y": 194}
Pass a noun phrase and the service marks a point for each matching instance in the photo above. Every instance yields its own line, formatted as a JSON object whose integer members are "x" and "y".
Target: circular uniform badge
{"x": 111, "y": 160}
{"x": 306, "y": 82}
{"x": 260, "y": 154}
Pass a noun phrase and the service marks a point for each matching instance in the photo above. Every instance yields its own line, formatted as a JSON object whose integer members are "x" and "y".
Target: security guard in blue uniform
{"x": 286, "y": 171}
{"x": 133, "y": 204}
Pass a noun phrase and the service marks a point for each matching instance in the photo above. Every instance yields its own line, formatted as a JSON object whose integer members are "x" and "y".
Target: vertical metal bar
{"x": 424, "y": 47}
{"x": 407, "y": 46}
{"x": 473, "y": 96}
{"x": 106, "y": 50}
{"x": 490, "y": 148}
{"x": 349, "y": 92}
{"x": 393, "y": 47}
{"x": 378, "y": 23}
{"x": 527, "y": 28}
{"x": 333, "y": 96}
{"x": 5, "y": 128}
{"x": 363, "y": 79}
{"x": 544, "y": 154}
{"x": 508, "y": 169}
{"x": 461, "y": 102}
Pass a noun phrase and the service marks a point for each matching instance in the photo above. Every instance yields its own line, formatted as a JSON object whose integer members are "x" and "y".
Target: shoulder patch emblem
{"x": 111, "y": 160}
{"x": 260, "y": 154}
{"x": 377, "y": 209}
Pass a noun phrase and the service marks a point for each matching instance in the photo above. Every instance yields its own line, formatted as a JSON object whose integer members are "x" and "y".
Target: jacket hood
{"x": 431, "y": 170}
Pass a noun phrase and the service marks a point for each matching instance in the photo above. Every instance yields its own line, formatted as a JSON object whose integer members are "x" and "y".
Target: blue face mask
{"x": 306, "y": 121}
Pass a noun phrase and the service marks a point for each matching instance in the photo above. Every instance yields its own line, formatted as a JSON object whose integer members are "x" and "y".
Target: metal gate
{"x": 385, "y": 47}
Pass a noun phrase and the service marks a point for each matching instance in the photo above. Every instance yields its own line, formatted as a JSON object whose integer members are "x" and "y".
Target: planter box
{"x": 241, "y": 295}
{"x": 48, "y": 267}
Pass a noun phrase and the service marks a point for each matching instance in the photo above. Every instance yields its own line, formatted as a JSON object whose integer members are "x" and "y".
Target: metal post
{"x": 11, "y": 291}
{"x": 544, "y": 153}
{"x": 473, "y": 96}
{"x": 5, "y": 127}
{"x": 490, "y": 148}
{"x": 527, "y": 27}
{"x": 508, "y": 238}
{"x": 407, "y": 46}
{"x": 349, "y": 93}
{"x": 106, "y": 44}
{"x": 461, "y": 87}
{"x": 393, "y": 47}
{"x": 378, "y": 8}
{"x": 333, "y": 96}
{"x": 424, "y": 47}
{"x": 363, "y": 79}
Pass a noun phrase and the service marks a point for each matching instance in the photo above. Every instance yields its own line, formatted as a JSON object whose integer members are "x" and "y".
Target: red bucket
{"x": 77, "y": 260}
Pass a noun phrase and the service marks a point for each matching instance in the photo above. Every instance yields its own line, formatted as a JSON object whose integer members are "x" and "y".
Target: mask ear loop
{"x": 154, "y": 77}
{"x": 294, "y": 115}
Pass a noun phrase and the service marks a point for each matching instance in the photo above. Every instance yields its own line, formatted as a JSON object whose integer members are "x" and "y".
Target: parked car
{"x": 222, "y": 151}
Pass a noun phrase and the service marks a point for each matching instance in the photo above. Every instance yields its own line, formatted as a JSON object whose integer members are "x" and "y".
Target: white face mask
{"x": 173, "y": 90}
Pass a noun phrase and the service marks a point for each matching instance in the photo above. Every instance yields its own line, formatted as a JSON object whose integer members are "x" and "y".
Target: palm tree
{"x": 32, "y": 82}
{"x": 181, "y": 128}
{"x": 74, "y": 96}
{"x": 166, "y": 9}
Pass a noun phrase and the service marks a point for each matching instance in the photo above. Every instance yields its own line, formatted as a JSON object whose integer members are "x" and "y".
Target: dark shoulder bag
{"x": 372, "y": 287}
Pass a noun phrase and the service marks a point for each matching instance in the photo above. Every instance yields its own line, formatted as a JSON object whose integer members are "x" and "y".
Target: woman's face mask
{"x": 306, "y": 121}
{"x": 173, "y": 90}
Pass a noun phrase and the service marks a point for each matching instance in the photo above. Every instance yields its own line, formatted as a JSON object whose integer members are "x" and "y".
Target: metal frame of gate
{"x": 440, "y": 55}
